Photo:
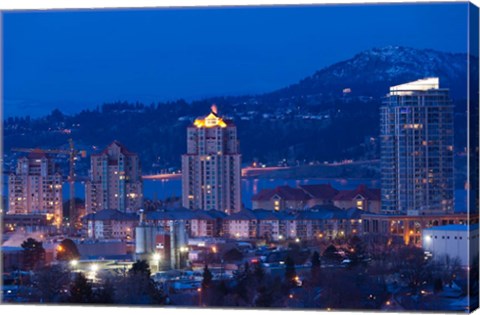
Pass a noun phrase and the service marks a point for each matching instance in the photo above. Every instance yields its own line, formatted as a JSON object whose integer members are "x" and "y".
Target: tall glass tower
{"x": 417, "y": 149}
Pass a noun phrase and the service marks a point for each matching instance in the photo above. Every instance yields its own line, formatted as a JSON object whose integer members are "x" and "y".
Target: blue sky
{"x": 76, "y": 59}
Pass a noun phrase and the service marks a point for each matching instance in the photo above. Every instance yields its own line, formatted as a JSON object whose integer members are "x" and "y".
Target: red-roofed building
{"x": 281, "y": 198}
{"x": 362, "y": 197}
{"x": 321, "y": 194}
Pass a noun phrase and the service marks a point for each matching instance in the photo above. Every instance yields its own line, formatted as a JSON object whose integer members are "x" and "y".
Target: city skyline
{"x": 338, "y": 171}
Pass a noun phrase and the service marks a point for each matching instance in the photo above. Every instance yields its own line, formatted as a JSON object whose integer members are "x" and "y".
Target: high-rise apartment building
{"x": 211, "y": 170}
{"x": 417, "y": 149}
{"x": 115, "y": 180}
{"x": 36, "y": 187}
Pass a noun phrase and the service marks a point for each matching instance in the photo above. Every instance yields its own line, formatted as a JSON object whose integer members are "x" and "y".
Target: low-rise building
{"x": 198, "y": 223}
{"x": 286, "y": 198}
{"x": 280, "y": 199}
{"x": 28, "y": 223}
{"x": 328, "y": 222}
{"x": 456, "y": 241}
{"x": 110, "y": 224}
{"x": 362, "y": 197}
{"x": 321, "y": 194}
{"x": 241, "y": 225}
{"x": 408, "y": 229}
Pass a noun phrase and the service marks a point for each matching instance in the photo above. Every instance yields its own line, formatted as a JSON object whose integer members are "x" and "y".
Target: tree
{"x": 258, "y": 272}
{"x": 331, "y": 254}
{"x": 67, "y": 250}
{"x": 207, "y": 278}
{"x": 357, "y": 250}
{"x": 50, "y": 284}
{"x": 437, "y": 285}
{"x": 413, "y": 267}
{"x": 79, "y": 207}
{"x": 290, "y": 273}
{"x": 233, "y": 255}
{"x": 140, "y": 267}
{"x": 138, "y": 287}
{"x": 81, "y": 290}
{"x": 105, "y": 294}
{"x": 451, "y": 268}
{"x": 264, "y": 297}
{"x": 316, "y": 265}
{"x": 33, "y": 254}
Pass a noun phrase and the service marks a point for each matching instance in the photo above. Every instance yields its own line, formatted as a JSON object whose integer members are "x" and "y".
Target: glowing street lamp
{"x": 94, "y": 268}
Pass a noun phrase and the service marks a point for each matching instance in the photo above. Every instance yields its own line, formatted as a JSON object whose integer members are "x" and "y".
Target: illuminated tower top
{"x": 211, "y": 120}
{"x": 421, "y": 85}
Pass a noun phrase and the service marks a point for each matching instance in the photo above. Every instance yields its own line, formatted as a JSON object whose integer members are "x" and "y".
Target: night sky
{"x": 73, "y": 60}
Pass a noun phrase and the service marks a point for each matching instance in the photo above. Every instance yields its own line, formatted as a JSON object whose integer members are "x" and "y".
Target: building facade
{"x": 362, "y": 197}
{"x": 211, "y": 170}
{"x": 110, "y": 224}
{"x": 281, "y": 198}
{"x": 36, "y": 187}
{"x": 115, "y": 180}
{"x": 417, "y": 149}
{"x": 405, "y": 229}
{"x": 452, "y": 241}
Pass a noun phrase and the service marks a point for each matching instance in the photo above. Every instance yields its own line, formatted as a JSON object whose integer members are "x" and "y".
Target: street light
{"x": 156, "y": 261}
{"x": 74, "y": 263}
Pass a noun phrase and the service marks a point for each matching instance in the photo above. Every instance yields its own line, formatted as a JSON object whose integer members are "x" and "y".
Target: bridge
{"x": 246, "y": 172}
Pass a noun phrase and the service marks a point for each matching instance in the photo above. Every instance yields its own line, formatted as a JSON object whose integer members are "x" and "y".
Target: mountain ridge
{"x": 311, "y": 120}
{"x": 384, "y": 67}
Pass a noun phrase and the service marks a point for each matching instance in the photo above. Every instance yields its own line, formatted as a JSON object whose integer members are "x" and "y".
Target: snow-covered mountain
{"x": 372, "y": 72}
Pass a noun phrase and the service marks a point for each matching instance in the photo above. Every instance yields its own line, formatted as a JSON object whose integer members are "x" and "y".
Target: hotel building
{"x": 211, "y": 171}
{"x": 115, "y": 180}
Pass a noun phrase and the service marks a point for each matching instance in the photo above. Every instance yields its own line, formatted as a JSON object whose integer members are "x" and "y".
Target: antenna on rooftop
{"x": 214, "y": 109}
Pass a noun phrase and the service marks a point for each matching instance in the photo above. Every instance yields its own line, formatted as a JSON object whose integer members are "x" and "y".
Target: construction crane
{"x": 72, "y": 154}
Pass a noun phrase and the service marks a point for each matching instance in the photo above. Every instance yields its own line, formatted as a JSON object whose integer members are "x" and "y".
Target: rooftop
{"x": 320, "y": 191}
{"x": 211, "y": 120}
{"x": 454, "y": 227}
{"x": 284, "y": 192}
{"x": 123, "y": 149}
{"x": 361, "y": 190}
{"x": 419, "y": 85}
{"x": 110, "y": 215}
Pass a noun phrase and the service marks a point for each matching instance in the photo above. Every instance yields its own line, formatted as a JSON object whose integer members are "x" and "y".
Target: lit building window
{"x": 360, "y": 204}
